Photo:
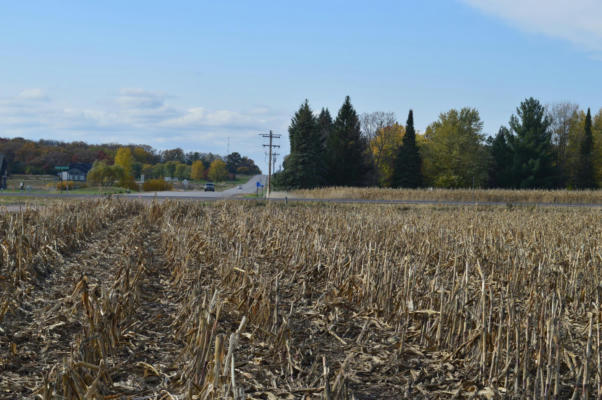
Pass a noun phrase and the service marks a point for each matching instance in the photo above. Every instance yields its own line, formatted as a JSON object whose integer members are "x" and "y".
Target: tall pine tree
{"x": 304, "y": 167}
{"x": 324, "y": 126}
{"x": 585, "y": 172}
{"x": 500, "y": 173}
{"x": 532, "y": 157}
{"x": 347, "y": 154}
{"x": 408, "y": 163}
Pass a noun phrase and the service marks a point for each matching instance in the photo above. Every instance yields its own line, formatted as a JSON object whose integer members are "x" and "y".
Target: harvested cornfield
{"x": 175, "y": 300}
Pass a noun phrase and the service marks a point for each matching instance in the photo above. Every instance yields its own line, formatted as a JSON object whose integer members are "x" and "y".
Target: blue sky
{"x": 192, "y": 74}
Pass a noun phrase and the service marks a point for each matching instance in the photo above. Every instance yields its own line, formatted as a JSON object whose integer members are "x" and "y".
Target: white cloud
{"x": 138, "y": 116}
{"x": 33, "y": 94}
{"x": 578, "y": 21}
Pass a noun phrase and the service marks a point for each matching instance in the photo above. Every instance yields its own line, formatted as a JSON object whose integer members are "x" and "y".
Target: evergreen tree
{"x": 408, "y": 163}
{"x": 304, "y": 167}
{"x": 532, "y": 157}
{"x": 324, "y": 126}
{"x": 347, "y": 154}
{"x": 501, "y": 160}
{"x": 585, "y": 172}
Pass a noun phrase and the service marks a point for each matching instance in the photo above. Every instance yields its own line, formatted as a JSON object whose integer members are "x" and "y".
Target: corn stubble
{"x": 176, "y": 300}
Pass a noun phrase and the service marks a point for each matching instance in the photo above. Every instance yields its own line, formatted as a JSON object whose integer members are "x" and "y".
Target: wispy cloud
{"x": 141, "y": 99}
{"x": 34, "y": 94}
{"x": 578, "y": 21}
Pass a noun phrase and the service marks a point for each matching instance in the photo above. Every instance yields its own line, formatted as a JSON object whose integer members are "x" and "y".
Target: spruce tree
{"x": 346, "y": 149}
{"x": 531, "y": 146}
{"x": 408, "y": 163}
{"x": 324, "y": 126}
{"x": 501, "y": 160}
{"x": 585, "y": 173}
{"x": 304, "y": 167}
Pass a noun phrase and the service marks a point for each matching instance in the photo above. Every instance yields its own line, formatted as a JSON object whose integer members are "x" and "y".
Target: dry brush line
{"x": 478, "y": 195}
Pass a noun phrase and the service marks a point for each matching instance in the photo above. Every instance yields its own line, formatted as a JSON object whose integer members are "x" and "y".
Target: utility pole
{"x": 271, "y": 153}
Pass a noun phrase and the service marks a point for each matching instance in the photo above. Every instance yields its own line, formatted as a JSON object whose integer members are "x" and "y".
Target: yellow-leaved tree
{"x": 124, "y": 159}
{"x": 384, "y": 146}
{"x": 217, "y": 171}
{"x": 453, "y": 151}
{"x": 197, "y": 170}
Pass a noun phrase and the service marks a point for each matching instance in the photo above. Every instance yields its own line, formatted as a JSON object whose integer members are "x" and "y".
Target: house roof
{"x": 83, "y": 167}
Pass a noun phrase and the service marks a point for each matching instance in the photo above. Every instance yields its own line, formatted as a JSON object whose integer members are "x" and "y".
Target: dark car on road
{"x": 209, "y": 187}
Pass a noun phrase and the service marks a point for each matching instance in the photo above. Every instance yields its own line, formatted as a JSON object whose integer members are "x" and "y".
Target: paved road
{"x": 248, "y": 188}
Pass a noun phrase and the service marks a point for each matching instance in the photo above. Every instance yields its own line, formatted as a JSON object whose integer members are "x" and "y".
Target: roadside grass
{"x": 95, "y": 190}
{"x": 32, "y": 201}
{"x": 252, "y": 196}
{"x": 476, "y": 195}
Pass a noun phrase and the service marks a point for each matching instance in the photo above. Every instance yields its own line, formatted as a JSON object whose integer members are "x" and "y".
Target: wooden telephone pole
{"x": 271, "y": 136}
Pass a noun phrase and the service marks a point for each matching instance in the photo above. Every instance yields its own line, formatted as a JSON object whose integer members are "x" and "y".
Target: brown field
{"x": 112, "y": 299}
{"x": 478, "y": 195}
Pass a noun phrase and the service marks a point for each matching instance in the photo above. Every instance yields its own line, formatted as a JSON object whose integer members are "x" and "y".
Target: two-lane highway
{"x": 247, "y": 188}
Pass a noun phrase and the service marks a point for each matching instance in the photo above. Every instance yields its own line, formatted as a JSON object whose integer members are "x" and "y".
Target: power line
{"x": 271, "y": 136}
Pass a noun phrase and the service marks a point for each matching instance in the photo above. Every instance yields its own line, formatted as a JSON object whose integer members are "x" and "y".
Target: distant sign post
{"x": 259, "y": 185}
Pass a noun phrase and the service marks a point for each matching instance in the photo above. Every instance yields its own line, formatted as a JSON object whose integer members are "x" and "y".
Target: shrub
{"x": 156, "y": 185}
{"x": 128, "y": 182}
{"x": 69, "y": 185}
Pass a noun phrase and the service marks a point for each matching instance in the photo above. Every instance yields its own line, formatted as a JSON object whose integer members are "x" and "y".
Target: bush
{"x": 128, "y": 182}
{"x": 69, "y": 185}
{"x": 156, "y": 185}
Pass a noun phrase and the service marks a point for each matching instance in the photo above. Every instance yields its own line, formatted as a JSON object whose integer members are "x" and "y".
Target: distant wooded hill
{"x": 42, "y": 157}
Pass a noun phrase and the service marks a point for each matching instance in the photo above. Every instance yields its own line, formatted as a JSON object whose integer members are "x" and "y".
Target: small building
{"x": 77, "y": 172}
{"x": 3, "y": 171}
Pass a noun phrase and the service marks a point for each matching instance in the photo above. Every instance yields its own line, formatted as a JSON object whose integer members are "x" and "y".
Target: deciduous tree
{"x": 197, "y": 170}
{"x": 124, "y": 159}
{"x": 217, "y": 171}
{"x": 562, "y": 118}
{"x": 454, "y": 151}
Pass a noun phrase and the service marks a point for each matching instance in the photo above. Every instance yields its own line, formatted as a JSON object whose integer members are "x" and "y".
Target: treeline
{"x": 558, "y": 146}
{"x": 42, "y": 157}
